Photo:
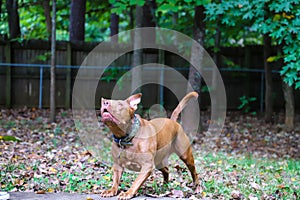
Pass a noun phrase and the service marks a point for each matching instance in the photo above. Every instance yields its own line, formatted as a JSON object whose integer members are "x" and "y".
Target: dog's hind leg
{"x": 165, "y": 172}
{"x": 188, "y": 159}
{"x": 183, "y": 149}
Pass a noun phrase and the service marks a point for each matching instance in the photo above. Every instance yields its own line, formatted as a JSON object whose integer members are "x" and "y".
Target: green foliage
{"x": 9, "y": 138}
{"x": 241, "y": 22}
{"x": 111, "y": 74}
{"x": 120, "y": 6}
{"x": 278, "y": 19}
{"x": 245, "y": 105}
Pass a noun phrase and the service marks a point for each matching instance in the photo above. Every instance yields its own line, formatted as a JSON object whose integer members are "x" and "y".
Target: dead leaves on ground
{"x": 49, "y": 157}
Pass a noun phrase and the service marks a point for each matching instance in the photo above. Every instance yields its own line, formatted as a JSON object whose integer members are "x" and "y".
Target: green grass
{"x": 224, "y": 173}
{"x": 220, "y": 174}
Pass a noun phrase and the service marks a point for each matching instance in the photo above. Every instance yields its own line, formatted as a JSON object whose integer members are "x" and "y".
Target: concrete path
{"x": 65, "y": 196}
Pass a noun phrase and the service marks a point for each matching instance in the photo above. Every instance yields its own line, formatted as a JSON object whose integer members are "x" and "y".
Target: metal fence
{"x": 42, "y": 68}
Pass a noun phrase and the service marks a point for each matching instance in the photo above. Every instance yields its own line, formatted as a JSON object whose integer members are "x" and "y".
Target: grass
{"x": 68, "y": 170}
{"x": 221, "y": 174}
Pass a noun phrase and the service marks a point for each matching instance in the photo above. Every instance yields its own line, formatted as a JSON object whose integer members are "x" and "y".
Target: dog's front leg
{"x": 142, "y": 177}
{"x": 117, "y": 173}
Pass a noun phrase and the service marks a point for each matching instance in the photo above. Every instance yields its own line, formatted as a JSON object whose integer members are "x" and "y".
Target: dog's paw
{"x": 125, "y": 195}
{"x": 109, "y": 193}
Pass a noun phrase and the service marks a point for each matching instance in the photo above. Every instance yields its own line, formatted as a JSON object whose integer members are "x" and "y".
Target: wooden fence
{"x": 20, "y": 85}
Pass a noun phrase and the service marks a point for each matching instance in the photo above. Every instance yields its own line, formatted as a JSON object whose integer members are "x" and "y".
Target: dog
{"x": 143, "y": 145}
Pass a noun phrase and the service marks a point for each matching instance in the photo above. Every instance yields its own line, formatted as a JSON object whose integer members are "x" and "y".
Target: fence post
{"x": 41, "y": 88}
{"x": 161, "y": 60}
{"x": 68, "y": 76}
{"x": 262, "y": 86}
{"x": 8, "y": 75}
{"x": 248, "y": 75}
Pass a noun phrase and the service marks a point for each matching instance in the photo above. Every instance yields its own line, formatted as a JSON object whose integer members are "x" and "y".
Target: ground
{"x": 250, "y": 159}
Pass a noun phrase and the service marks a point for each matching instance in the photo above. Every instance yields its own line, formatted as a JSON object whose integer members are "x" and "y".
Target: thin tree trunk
{"x": 217, "y": 43}
{"x": 0, "y": 7}
{"x": 131, "y": 21}
{"x": 149, "y": 21}
{"x": 77, "y": 20}
{"x": 52, "y": 70}
{"x": 289, "y": 106}
{"x": 47, "y": 9}
{"x": 194, "y": 75}
{"x": 13, "y": 19}
{"x": 114, "y": 26}
{"x": 174, "y": 23}
{"x": 268, "y": 79}
{"x": 137, "y": 54}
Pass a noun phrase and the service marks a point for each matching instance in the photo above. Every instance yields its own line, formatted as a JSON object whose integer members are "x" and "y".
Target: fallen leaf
{"x": 235, "y": 194}
{"x": 255, "y": 185}
{"x": 177, "y": 194}
{"x": 41, "y": 192}
{"x": 252, "y": 197}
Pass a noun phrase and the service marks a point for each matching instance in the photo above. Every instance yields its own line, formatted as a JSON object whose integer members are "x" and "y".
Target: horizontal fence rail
{"x": 126, "y": 68}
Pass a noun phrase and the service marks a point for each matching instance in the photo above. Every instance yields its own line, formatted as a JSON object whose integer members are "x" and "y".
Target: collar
{"x": 126, "y": 141}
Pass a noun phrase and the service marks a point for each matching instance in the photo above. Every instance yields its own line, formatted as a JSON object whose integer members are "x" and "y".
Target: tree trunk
{"x": 289, "y": 106}
{"x": 149, "y": 21}
{"x": 52, "y": 70}
{"x": 137, "y": 54}
{"x": 77, "y": 20}
{"x": 0, "y": 7}
{"x": 131, "y": 22}
{"x": 13, "y": 19}
{"x": 217, "y": 43}
{"x": 47, "y": 9}
{"x": 268, "y": 79}
{"x": 198, "y": 35}
{"x": 194, "y": 75}
{"x": 114, "y": 26}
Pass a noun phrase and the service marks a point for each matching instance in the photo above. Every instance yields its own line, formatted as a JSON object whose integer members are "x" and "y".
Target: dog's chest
{"x": 127, "y": 158}
{"x": 131, "y": 157}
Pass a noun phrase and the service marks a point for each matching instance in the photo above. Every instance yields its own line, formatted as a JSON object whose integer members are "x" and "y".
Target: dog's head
{"x": 119, "y": 112}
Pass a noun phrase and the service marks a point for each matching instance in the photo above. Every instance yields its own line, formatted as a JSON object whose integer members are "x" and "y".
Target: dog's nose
{"x": 106, "y": 103}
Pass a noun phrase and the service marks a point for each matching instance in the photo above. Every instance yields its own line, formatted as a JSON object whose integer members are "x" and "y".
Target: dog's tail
{"x": 182, "y": 104}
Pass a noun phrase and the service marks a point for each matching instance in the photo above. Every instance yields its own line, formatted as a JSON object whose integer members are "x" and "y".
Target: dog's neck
{"x": 130, "y": 134}
{"x": 127, "y": 131}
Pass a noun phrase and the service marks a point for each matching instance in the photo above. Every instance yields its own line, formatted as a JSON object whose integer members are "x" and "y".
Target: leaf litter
{"x": 250, "y": 159}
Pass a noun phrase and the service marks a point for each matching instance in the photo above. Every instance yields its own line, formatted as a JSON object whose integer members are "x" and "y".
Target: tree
{"x": 47, "y": 8}
{"x": 0, "y": 7}
{"x": 77, "y": 20}
{"x": 114, "y": 26}
{"x": 281, "y": 24}
{"x": 196, "y": 57}
{"x": 13, "y": 19}
{"x": 268, "y": 79}
{"x": 148, "y": 20}
{"x": 52, "y": 70}
{"x": 137, "y": 54}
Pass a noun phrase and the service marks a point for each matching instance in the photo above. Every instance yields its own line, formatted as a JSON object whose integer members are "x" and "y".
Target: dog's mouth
{"x": 106, "y": 116}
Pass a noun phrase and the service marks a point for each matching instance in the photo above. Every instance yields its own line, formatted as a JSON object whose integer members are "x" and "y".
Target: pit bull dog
{"x": 143, "y": 145}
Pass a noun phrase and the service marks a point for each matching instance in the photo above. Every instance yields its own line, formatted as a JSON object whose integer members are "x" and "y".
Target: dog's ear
{"x": 134, "y": 100}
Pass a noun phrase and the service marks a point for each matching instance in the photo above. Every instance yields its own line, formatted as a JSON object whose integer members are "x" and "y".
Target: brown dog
{"x": 143, "y": 145}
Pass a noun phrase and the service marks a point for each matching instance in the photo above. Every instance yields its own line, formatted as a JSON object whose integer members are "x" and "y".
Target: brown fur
{"x": 153, "y": 143}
